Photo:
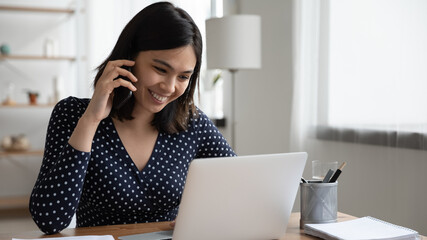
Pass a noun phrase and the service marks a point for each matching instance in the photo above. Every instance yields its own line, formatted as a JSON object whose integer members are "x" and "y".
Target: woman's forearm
{"x": 82, "y": 136}
{"x": 57, "y": 191}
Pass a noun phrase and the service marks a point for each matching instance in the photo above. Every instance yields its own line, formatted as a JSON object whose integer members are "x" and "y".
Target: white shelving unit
{"x": 25, "y": 26}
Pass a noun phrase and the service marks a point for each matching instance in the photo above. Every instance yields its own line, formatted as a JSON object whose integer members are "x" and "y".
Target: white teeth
{"x": 158, "y": 97}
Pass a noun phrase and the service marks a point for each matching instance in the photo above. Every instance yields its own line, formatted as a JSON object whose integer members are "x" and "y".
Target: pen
{"x": 328, "y": 176}
{"x": 337, "y": 173}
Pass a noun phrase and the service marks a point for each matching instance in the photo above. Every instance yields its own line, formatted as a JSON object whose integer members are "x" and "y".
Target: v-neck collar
{"x": 145, "y": 170}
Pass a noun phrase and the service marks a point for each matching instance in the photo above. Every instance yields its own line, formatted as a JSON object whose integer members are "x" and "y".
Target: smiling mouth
{"x": 158, "y": 97}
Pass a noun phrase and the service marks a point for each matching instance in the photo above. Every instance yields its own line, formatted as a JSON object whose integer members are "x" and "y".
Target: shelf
{"x": 21, "y": 153}
{"x": 36, "y": 9}
{"x": 14, "y": 202}
{"x": 34, "y": 57}
{"x": 23, "y": 105}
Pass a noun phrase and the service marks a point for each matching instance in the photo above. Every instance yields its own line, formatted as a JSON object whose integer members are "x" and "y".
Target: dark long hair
{"x": 160, "y": 26}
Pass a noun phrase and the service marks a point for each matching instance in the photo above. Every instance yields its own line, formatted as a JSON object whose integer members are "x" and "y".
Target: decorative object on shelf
{"x": 216, "y": 78}
{"x": 8, "y": 101}
{"x": 233, "y": 43}
{"x": 32, "y": 96}
{"x": 5, "y": 49}
{"x": 50, "y": 47}
{"x": 15, "y": 143}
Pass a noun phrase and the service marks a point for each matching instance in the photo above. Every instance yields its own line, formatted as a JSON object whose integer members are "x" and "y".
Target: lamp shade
{"x": 233, "y": 42}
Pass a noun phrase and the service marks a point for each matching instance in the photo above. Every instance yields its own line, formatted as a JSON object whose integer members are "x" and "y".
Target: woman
{"x": 122, "y": 156}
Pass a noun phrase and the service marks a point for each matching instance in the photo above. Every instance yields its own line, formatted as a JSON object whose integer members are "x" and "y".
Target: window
{"x": 374, "y": 67}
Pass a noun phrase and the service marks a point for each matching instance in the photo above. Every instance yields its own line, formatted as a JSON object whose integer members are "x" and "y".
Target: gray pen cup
{"x": 319, "y": 203}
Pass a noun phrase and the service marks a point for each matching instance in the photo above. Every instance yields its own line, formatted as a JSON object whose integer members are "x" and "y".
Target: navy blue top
{"x": 104, "y": 186}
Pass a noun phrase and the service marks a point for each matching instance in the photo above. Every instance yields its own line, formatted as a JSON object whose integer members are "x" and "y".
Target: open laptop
{"x": 245, "y": 197}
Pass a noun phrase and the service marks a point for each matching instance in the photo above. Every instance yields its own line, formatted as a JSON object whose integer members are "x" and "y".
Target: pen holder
{"x": 318, "y": 202}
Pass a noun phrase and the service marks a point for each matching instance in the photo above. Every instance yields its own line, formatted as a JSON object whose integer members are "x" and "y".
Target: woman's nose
{"x": 168, "y": 85}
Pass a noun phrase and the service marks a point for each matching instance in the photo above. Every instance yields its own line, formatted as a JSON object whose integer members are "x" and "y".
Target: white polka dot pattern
{"x": 104, "y": 187}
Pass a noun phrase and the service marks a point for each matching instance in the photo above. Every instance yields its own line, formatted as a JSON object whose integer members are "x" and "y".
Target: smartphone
{"x": 122, "y": 94}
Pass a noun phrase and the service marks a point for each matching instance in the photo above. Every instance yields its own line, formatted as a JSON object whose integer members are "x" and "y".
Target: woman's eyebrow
{"x": 169, "y": 66}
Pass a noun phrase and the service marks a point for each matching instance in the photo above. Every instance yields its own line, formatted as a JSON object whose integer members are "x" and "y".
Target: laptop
{"x": 244, "y": 197}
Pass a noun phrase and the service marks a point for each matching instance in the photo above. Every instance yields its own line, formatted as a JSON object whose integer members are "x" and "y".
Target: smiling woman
{"x": 152, "y": 31}
{"x": 115, "y": 165}
{"x": 163, "y": 77}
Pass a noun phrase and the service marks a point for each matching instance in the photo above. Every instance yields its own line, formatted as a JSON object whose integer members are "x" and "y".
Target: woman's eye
{"x": 184, "y": 77}
{"x": 160, "y": 69}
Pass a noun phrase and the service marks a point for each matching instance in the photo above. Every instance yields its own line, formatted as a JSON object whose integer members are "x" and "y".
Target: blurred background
{"x": 343, "y": 80}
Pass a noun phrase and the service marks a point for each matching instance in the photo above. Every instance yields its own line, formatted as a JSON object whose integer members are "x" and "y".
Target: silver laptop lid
{"x": 245, "y": 197}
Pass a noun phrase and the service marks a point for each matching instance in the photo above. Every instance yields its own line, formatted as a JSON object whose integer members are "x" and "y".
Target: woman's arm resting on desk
{"x": 58, "y": 188}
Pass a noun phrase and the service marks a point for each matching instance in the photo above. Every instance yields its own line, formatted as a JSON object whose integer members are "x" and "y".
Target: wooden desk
{"x": 293, "y": 232}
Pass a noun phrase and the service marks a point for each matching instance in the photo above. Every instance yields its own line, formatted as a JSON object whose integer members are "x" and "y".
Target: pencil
{"x": 337, "y": 173}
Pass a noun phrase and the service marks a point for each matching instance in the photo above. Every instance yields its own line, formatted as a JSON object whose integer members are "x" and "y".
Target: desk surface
{"x": 293, "y": 232}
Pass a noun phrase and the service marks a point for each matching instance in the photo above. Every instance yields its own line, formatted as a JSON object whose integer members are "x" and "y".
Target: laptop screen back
{"x": 245, "y": 197}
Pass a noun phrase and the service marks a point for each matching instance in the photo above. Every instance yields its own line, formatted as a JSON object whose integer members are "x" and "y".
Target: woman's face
{"x": 163, "y": 76}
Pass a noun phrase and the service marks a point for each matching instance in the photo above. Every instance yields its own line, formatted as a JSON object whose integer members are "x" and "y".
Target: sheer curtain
{"x": 360, "y": 85}
{"x": 305, "y": 54}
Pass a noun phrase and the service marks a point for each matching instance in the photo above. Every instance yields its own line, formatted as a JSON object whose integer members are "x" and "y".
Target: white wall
{"x": 381, "y": 182}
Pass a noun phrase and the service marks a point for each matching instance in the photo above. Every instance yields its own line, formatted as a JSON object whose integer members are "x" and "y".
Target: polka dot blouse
{"x": 104, "y": 186}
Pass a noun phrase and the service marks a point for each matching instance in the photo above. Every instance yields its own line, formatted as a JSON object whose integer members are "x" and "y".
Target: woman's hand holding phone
{"x": 111, "y": 78}
{"x": 101, "y": 103}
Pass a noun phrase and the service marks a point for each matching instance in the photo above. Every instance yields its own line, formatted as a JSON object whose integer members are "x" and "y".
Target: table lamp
{"x": 233, "y": 43}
